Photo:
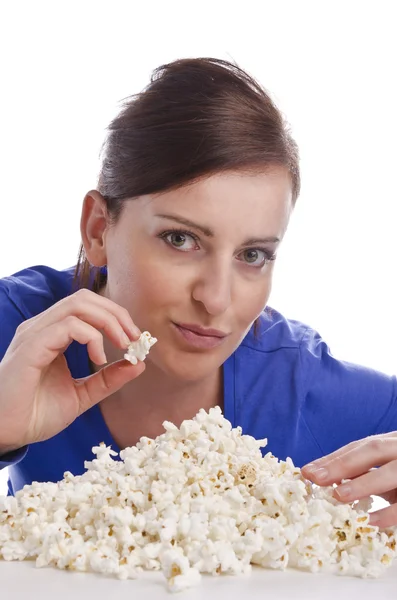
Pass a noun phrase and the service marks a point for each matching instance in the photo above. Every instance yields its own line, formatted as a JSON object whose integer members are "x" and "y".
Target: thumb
{"x": 94, "y": 388}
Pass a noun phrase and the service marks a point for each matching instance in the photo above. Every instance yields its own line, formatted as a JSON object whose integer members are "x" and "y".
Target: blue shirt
{"x": 283, "y": 384}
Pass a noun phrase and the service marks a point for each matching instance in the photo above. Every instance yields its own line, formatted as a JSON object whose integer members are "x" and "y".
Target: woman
{"x": 198, "y": 181}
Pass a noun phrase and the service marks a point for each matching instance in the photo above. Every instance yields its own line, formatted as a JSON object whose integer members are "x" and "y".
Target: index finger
{"x": 352, "y": 460}
{"x": 77, "y": 302}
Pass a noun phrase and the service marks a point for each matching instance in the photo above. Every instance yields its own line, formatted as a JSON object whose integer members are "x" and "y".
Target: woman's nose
{"x": 214, "y": 289}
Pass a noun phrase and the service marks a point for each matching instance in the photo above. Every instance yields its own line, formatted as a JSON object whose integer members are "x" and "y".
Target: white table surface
{"x": 22, "y": 580}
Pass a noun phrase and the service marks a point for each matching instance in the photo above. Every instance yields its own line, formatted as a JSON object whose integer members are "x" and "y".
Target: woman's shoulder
{"x": 273, "y": 331}
{"x": 36, "y": 288}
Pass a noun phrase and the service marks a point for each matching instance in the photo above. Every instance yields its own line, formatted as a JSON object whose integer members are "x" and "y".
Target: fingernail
{"x": 135, "y": 333}
{"x": 314, "y": 466}
{"x": 343, "y": 491}
{"x": 126, "y": 340}
{"x": 310, "y": 467}
{"x": 319, "y": 473}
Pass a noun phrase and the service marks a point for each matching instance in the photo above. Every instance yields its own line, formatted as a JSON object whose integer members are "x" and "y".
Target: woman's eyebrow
{"x": 265, "y": 240}
{"x": 209, "y": 232}
{"x": 206, "y": 230}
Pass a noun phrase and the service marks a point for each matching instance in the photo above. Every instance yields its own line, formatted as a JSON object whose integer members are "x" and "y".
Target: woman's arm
{"x": 351, "y": 411}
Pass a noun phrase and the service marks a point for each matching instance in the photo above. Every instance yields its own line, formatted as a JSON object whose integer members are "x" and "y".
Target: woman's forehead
{"x": 231, "y": 183}
{"x": 222, "y": 198}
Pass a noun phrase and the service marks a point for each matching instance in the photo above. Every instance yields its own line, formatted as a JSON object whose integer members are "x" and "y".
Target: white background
{"x": 329, "y": 65}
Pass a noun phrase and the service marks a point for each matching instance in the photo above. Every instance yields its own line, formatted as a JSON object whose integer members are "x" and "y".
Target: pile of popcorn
{"x": 198, "y": 499}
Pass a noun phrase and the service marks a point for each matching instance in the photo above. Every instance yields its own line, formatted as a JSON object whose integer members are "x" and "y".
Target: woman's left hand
{"x": 355, "y": 462}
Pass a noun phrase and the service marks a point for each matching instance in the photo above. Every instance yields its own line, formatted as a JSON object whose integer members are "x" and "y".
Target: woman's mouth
{"x": 200, "y": 337}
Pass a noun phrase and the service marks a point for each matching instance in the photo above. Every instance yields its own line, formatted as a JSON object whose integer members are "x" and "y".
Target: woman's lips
{"x": 198, "y": 340}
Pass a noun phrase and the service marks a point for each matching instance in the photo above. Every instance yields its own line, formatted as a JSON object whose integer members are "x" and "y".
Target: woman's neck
{"x": 156, "y": 392}
{"x": 142, "y": 405}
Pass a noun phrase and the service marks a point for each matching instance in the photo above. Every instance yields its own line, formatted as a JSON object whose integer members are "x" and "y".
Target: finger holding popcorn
{"x": 47, "y": 399}
{"x": 102, "y": 313}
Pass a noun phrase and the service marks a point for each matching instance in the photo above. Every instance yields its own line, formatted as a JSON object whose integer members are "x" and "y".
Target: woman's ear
{"x": 93, "y": 226}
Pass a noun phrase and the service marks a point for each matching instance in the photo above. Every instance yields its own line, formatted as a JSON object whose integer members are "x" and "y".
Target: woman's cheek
{"x": 254, "y": 299}
{"x": 160, "y": 283}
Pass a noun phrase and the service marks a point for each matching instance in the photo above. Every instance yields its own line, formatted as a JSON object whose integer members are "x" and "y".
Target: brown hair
{"x": 197, "y": 117}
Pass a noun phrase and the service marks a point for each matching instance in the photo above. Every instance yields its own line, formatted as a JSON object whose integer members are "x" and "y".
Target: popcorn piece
{"x": 191, "y": 578}
{"x": 198, "y": 499}
{"x": 178, "y": 572}
{"x": 140, "y": 349}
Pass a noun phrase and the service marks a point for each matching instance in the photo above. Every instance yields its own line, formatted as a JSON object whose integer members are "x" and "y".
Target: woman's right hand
{"x": 38, "y": 396}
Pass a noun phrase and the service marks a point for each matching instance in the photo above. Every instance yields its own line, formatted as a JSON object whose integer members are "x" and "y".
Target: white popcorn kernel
{"x": 191, "y": 578}
{"x": 140, "y": 349}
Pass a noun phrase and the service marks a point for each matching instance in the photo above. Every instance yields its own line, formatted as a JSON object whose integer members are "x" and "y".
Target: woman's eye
{"x": 180, "y": 240}
{"x": 255, "y": 257}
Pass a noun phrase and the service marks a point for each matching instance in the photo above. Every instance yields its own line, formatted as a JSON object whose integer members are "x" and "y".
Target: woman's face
{"x": 195, "y": 259}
